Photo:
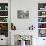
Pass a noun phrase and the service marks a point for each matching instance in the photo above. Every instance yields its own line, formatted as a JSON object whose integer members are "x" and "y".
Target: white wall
{"x": 23, "y": 24}
{"x": 32, "y": 6}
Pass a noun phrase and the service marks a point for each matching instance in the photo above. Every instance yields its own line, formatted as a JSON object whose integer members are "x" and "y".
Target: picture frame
{"x": 21, "y": 14}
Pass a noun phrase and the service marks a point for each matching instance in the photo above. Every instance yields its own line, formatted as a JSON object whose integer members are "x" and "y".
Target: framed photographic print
{"x": 22, "y": 14}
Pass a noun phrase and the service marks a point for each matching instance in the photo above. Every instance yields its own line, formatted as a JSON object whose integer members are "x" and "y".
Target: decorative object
{"x": 0, "y": 7}
{"x": 41, "y": 6}
{"x": 4, "y": 29}
{"x": 13, "y": 27}
{"x": 41, "y": 25}
{"x": 41, "y": 19}
{"x": 3, "y": 19}
{"x": 42, "y": 32}
{"x": 23, "y": 40}
{"x": 6, "y": 7}
{"x": 3, "y": 13}
{"x": 3, "y": 6}
{"x": 26, "y": 38}
{"x": 31, "y": 27}
{"x": 41, "y": 13}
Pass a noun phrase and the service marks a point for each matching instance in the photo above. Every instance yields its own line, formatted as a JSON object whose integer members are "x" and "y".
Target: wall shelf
{"x": 3, "y": 16}
{"x": 41, "y": 22}
{"x": 3, "y": 22}
{"x": 41, "y": 10}
{"x": 41, "y": 28}
{"x": 42, "y": 16}
{"x": 3, "y": 10}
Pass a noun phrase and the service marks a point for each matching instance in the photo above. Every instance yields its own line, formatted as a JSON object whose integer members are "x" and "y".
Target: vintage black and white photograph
{"x": 21, "y": 14}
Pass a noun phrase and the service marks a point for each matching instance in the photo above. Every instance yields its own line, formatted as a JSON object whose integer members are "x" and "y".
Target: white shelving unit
{"x": 4, "y": 23}
{"x": 42, "y": 18}
{"x": 4, "y": 18}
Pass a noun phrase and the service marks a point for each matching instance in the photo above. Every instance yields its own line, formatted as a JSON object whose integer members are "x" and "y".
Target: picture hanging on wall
{"x": 22, "y": 14}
